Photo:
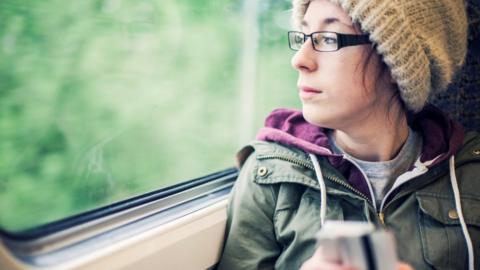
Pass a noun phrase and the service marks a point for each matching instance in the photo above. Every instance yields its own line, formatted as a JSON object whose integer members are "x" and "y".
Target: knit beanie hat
{"x": 423, "y": 42}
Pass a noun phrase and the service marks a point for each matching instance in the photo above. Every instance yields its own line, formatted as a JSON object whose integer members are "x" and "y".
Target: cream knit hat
{"x": 423, "y": 42}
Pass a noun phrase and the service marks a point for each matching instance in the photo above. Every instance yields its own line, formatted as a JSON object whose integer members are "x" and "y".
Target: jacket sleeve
{"x": 250, "y": 241}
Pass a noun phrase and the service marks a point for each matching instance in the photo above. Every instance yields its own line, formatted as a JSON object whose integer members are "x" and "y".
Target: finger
{"x": 404, "y": 266}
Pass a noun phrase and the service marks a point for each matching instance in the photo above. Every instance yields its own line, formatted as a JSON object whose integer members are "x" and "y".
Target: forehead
{"x": 322, "y": 12}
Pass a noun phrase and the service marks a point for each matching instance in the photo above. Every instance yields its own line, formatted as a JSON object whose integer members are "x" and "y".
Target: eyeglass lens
{"x": 322, "y": 41}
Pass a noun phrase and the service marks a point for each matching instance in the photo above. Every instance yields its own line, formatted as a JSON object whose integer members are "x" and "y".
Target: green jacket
{"x": 273, "y": 212}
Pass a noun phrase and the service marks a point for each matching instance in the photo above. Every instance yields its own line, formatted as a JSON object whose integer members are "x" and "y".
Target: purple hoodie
{"x": 442, "y": 137}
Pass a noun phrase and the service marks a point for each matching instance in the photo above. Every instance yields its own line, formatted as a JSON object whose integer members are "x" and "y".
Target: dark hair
{"x": 381, "y": 72}
{"x": 395, "y": 97}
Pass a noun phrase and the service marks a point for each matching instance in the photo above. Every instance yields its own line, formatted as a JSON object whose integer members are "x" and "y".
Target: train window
{"x": 104, "y": 100}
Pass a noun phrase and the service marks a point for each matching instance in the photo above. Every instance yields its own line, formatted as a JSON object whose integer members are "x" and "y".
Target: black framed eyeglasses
{"x": 325, "y": 41}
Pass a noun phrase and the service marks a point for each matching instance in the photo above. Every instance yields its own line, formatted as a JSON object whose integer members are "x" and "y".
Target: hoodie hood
{"x": 442, "y": 137}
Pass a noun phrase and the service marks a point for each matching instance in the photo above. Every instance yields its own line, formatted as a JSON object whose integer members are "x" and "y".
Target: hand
{"x": 404, "y": 266}
{"x": 319, "y": 262}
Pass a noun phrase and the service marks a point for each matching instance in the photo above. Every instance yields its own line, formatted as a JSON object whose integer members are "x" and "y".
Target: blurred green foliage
{"x": 101, "y": 100}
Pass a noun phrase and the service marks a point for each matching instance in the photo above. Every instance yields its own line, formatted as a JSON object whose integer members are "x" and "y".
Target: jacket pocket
{"x": 443, "y": 243}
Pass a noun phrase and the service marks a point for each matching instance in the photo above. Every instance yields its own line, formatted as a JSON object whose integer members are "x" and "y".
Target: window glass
{"x": 102, "y": 100}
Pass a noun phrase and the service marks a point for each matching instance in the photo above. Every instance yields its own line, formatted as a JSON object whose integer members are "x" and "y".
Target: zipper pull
{"x": 381, "y": 216}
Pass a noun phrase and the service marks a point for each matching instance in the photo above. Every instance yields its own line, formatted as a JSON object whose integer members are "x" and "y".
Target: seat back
{"x": 462, "y": 98}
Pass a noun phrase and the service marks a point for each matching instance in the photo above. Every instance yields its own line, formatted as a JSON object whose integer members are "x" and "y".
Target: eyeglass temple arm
{"x": 350, "y": 40}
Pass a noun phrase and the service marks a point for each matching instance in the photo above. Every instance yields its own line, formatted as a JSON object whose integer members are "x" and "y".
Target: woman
{"x": 366, "y": 145}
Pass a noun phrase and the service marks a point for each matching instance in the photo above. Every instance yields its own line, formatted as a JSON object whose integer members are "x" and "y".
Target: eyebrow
{"x": 327, "y": 21}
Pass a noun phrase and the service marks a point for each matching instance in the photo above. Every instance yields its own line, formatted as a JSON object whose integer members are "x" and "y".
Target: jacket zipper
{"x": 381, "y": 217}
{"x": 381, "y": 214}
{"x": 370, "y": 190}
{"x": 401, "y": 194}
{"x": 310, "y": 166}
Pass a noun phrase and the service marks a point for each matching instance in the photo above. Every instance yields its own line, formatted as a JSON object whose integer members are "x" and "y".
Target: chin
{"x": 316, "y": 116}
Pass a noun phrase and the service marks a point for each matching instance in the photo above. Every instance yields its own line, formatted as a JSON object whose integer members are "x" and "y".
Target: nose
{"x": 304, "y": 59}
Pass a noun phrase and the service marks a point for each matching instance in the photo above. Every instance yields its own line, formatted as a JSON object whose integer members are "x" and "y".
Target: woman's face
{"x": 331, "y": 83}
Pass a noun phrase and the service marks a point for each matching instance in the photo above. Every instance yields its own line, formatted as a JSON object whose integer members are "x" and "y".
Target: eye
{"x": 322, "y": 39}
{"x": 328, "y": 40}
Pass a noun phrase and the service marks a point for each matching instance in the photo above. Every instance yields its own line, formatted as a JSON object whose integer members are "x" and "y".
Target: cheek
{"x": 355, "y": 79}
{"x": 346, "y": 94}
{"x": 347, "y": 81}
{"x": 352, "y": 70}
{"x": 342, "y": 67}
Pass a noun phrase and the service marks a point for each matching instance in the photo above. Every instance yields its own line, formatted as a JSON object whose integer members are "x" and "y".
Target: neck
{"x": 380, "y": 141}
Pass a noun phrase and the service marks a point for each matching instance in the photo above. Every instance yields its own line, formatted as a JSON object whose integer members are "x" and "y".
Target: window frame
{"x": 60, "y": 241}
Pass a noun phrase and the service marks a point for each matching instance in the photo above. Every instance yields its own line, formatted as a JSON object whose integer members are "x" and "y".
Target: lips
{"x": 308, "y": 93}
{"x": 308, "y": 89}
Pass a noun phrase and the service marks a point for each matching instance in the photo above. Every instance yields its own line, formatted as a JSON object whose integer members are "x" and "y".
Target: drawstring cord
{"x": 323, "y": 189}
{"x": 458, "y": 206}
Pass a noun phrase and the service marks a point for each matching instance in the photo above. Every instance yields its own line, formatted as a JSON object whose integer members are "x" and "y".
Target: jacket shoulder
{"x": 272, "y": 163}
{"x": 261, "y": 149}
